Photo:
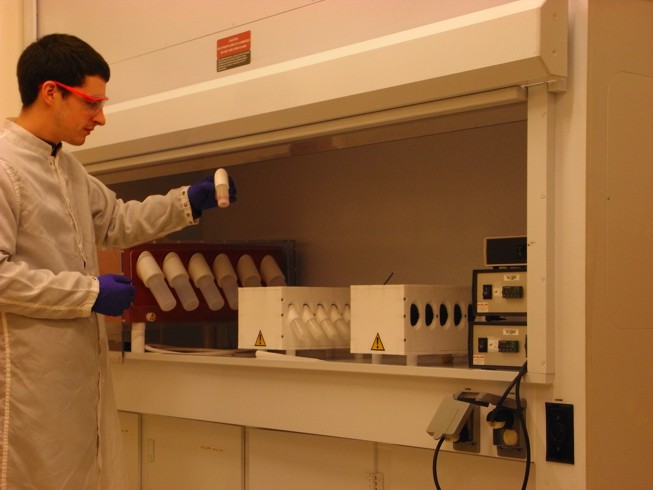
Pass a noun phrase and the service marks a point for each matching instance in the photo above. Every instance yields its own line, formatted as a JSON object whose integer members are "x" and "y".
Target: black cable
{"x": 435, "y": 463}
{"x": 527, "y": 441}
{"x": 522, "y": 420}
{"x": 512, "y": 384}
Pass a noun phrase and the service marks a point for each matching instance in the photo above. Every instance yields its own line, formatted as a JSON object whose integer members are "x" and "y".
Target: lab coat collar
{"x": 27, "y": 140}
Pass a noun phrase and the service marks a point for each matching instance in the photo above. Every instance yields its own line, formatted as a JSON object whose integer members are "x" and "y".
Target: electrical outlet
{"x": 470, "y": 436}
{"x": 375, "y": 481}
{"x": 507, "y": 432}
{"x": 560, "y": 432}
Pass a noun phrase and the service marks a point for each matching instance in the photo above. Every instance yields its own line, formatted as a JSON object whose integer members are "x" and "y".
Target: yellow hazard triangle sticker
{"x": 260, "y": 341}
{"x": 377, "y": 344}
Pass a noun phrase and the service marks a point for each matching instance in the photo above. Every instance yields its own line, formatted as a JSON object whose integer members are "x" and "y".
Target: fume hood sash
{"x": 516, "y": 44}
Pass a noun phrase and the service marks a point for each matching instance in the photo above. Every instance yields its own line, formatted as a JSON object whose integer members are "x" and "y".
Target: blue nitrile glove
{"x": 202, "y": 195}
{"x": 115, "y": 296}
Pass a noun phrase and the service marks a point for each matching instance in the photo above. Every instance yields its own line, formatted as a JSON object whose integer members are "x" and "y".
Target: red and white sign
{"x": 234, "y": 51}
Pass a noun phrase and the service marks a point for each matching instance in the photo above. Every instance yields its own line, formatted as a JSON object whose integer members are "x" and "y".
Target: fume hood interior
{"x": 413, "y": 201}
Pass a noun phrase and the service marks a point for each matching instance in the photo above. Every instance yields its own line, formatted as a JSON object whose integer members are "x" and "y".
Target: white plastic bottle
{"x": 152, "y": 276}
{"x": 296, "y": 323}
{"x": 311, "y": 323}
{"x": 178, "y": 278}
{"x": 221, "y": 182}
{"x": 203, "y": 278}
{"x": 227, "y": 279}
{"x": 325, "y": 322}
{"x": 339, "y": 322}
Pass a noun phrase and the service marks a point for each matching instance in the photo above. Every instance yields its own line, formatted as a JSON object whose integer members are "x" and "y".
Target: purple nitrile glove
{"x": 202, "y": 195}
{"x": 115, "y": 296}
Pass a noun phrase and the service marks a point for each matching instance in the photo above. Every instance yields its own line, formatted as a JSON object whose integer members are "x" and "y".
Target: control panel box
{"x": 500, "y": 292}
{"x": 501, "y": 345}
{"x": 293, "y": 318}
{"x": 409, "y": 319}
{"x": 506, "y": 251}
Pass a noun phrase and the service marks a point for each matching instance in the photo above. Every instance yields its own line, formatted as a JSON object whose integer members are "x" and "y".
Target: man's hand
{"x": 115, "y": 296}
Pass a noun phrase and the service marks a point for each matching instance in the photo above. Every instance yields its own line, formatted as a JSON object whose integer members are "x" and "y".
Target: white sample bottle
{"x": 152, "y": 276}
{"x": 247, "y": 272}
{"x": 339, "y": 322}
{"x": 177, "y": 277}
{"x": 311, "y": 323}
{"x": 203, "y": 278}
{"x": 346, "y": 315}
{"x": 271, "y": 273}
{"x": 221, "y": 182}
{"x": 325, "y": 322}
{"x": 227, "y": 279}
{"x": 295, "y": 322}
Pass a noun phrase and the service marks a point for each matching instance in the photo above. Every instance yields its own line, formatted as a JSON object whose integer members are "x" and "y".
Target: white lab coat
{"x": 58, "y": 422}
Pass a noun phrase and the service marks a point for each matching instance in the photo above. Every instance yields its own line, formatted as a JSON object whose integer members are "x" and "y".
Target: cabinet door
{"x": 130, "y": 425}
{"x": 181, "y": 453}
{"x": 291, "y": 461}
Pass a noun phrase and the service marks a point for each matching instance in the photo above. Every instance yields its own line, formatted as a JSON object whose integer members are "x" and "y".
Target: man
{"x": 58, "y": 422}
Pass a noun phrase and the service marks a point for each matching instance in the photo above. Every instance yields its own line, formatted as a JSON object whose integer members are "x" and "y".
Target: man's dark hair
{"x": 58, "y": 57}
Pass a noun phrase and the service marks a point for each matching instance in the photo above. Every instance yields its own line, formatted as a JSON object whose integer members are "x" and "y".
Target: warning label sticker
{"x": 483, "y": 307}
{"x": 234, "y": 51}
{"x": 479, "y": 360}
{"x": 377, "y": 344}
{"x": 260, "y": 341}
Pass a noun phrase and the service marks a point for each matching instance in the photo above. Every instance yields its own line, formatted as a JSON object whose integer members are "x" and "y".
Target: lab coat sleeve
{"x": 120, "y": 224}
{"x": 35, "y": 293}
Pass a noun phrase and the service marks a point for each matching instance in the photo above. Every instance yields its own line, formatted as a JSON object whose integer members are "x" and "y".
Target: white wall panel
{"x": 156, "y": 45}
{"x": 12, "y": 30}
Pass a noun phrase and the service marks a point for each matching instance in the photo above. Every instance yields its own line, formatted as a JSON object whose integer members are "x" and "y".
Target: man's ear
{"x": 47, "y": 92}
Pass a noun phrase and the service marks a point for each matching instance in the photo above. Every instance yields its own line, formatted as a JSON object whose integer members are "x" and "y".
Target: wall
{"x": 11, "y": 45}
{"x": 418, "y": 208}
{"x": 620, "y": 238}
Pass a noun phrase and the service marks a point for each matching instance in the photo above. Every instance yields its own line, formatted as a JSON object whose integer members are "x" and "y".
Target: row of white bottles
{"x": 174, "y": 275}
{"x": 309, "y": 325}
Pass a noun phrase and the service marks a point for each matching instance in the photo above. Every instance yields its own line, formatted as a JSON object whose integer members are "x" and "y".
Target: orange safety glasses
{"x": 94, "y": 103}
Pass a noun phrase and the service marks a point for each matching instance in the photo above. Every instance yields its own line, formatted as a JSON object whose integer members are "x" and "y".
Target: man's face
{"x": 75, "y": 117}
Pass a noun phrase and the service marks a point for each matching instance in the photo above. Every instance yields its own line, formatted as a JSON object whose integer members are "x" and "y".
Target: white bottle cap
{"x": 173, "y": 268}
{"x": 223, "y": 270}
{"x": 271, "y": 273}
{"x": 247, "y": 272}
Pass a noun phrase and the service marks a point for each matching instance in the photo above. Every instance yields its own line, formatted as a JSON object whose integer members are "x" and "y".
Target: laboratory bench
{"x": 352, "y": 399}
{"x": 253, "y": 422}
